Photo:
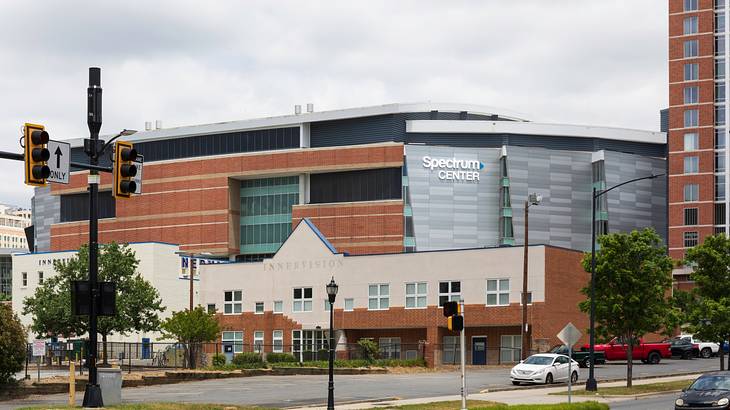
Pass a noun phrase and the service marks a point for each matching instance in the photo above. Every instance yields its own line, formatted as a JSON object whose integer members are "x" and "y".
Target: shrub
{"x": 280, "y": 358}
{"x": 12, "y": 344}
{"x": 219, "y": 360}
{"x": 248, "y": 361}
{"x": 369, "y": 349}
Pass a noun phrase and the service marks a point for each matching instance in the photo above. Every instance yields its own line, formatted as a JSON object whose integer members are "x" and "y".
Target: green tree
{"x": 633, "y": 276}
{"x": 12, "y": 344}
{"x": 138, "y": 302}
{"x": 192, "y": 329}
{"x": 710, "y": 319}
{"x": 681, "y": 305}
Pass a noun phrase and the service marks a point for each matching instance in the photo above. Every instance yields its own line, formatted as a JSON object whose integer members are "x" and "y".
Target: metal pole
{"x": 190, "y": 274}
{"x": 591, "y": 384}
{"x": 331, "y": 386}
{"x": 525, "y": 343}
{"x": 570, "y": 373}
{"x": 462, "y": 341}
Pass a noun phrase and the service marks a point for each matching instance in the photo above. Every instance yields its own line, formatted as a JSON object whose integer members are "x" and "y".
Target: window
{"x": 278, "y": 306}
{"x": 690, "y": 25}
{"x": 719, "y": 187}
{"x": 497, "y": 292}
{"x": 691, "y": 192}
{"x": 75, "y": 207}
{"x": 389, "y": 347}
{"x": 691, "y": 71}
{"x": 691, "y": 48}
{"x": 449, "y": 292}
{"x": 720, "y": 214}
{"x": 233, "y": 302}
{"x": 690, "y": 239}
{"x": 259, "y": 309}
{"x": 719, "y": 162}
{"x": 691, "y": 118}
{"x": 691, "y": 141}
{"x": 302, "y": 300}
{"x": 720, "y": 22}
{"x": 211, "y": 308}
{"x": 40, "y": 278}
{"x": 510, "y": 349}
{"x": 306, "y": 344}
{"x": 529, "y": 298}
{"x": 690, "y": 216}
{"x": 25, "y": 279}
{"x": 690, "y": 5}
{"x": 719, "y": 138}
{"x": 719, "y": 45}
{"x": 349, "y": 305}
{"x": 719, "y": 115}
{"x": 691, "y": 95}
{"x": 326, "y": 305}
{"x": 451, "y": 350}
{"x": 691, "y": 165}
{"x": 719, "y": 92}
{"x": 416, "y": 295}
{"x": 719, "y": 4}
{"x": 258, "y": 341}
{"x": 235, "y": 339}
{"x": 378, "y": 296}
{"x": 278, "y": 341}
{"x": 720, "y": 69}
{"x": 351, "y": 186}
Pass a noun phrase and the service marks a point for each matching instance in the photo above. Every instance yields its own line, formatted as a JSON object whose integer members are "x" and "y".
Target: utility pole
{"x": 532, "y": 199}
{"x": 462, "y": 343}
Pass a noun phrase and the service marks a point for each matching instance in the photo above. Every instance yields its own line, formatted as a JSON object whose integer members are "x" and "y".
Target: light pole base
{"x": 92, "y": 396}
{"x": 591, "y": 385}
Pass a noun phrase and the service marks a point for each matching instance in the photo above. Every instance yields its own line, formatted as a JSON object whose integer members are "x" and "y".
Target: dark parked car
{"x": 684, "y": 348}
{"x": 711, "y": 391}
{"x": 580, "y": 356}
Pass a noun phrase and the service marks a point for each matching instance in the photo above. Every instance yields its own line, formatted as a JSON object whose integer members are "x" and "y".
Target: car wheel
{"x": 574, "y": 377}
{"x": 516, "y": 383}
{"x": 654, "y": 358}
{"x": 706, "y": 353}
{"x": 549, "y": 378}
{"x": 685, "y": 355}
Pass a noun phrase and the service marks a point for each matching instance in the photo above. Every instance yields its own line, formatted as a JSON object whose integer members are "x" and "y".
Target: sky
{"x": 192, "y": 62}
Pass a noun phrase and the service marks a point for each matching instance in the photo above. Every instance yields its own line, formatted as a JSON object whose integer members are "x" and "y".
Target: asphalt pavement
{"x": 657, "y": 402}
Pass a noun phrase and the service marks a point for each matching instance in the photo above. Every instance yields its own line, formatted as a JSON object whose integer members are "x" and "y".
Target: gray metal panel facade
{"x": 46, "y": 211}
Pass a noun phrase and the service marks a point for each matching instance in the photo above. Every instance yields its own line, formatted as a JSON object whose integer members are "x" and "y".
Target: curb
{"x": 345, "y": 403}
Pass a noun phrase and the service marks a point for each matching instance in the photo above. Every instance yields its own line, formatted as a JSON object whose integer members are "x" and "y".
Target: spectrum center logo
{"x": 454, "y": 169}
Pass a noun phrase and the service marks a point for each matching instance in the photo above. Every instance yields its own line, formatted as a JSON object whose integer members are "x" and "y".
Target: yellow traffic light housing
{"x": 124, "y": 169}
{"x": 36, "y": 154}
{"x": 456, "y": 323}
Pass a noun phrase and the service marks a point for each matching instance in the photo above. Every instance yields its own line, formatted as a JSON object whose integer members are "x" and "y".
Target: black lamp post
{"x": 591, "y": 383}
{"x": 331, "y": 294}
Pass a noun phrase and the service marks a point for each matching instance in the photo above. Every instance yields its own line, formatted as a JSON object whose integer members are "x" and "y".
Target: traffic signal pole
{"x": 462, "y": 341}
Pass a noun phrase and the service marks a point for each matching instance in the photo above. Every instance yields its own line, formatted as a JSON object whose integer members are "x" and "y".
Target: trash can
{"x": 110, "y": 381}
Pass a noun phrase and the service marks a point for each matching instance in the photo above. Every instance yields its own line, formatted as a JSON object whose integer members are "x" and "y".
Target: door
{"x": 479, "y": 350}
{"x": 561, "y": 365}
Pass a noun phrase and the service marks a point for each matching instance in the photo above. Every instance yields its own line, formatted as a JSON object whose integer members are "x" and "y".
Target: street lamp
{"x": 331, "y": 295}
{"x": 532, "y": 199}
{"x": 591, "y": 383}
{"x": 191, "y": 256}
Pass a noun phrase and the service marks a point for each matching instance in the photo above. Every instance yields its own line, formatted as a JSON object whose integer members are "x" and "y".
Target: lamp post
{"x": 532, "y": 199}
{"x": 591, "y": 383}
{"x": 331, "y": 295}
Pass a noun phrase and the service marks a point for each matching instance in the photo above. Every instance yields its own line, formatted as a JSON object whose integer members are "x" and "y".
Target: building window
{"x": 691, "y": 192}
{"x": 389, "y": 347}
{"x": 719, "y": 4}
{"x": 719, "y": 162}
{"x": 690, "y": 5}
{"x": 349, "y": 305}
{"x": 720, "y": 214}
{"x": 211, "y": 308}
{"x": 259, "y": 310}
{"x": 40, "y": 278}
{"x": 529, "y": 298}
{"x": 690, "y": 25}
{"x": 691, "y": 72}
{"x": 497, "y": 292}
{"x": 719, "y": 187}
{"x": 278, "y": 341}
{"x": 378, "y": 296}
{"x": 302, "y": 300}
{"x": 719, "y": 45}
{"x": 719, "y": 115}
{"x": 691, "y": 141}
{"x": 510, "y": 350}
{"x": 234, "y": 339}
{"x": 278, "y": 306}
{"x": 25, "y": 279}
{"x": 233, "y": 302}
{"x": 451, "y": 350}
{"x": 691, "y": 95}
{"x": 352, "y": 186}
{"x": 416, "y": 295}
{"x": 449, "y": 292}
{"x": 258, "y": 341}
{"x": 691, "y": 165}
{"x": 691, "y": 48}
{"x": 690, "y": 216}
{"x": 719, "y": 138}
{"x": 265, "y": 220}
{"x": 691, "y": 118}
{"x": 690, "y": 239}
{"x": 719, "y": 92}
{"x": 326, "y": 305}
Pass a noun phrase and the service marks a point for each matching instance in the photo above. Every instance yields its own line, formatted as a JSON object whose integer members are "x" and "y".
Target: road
{"x": 289, "y": 391}
{"x": 660, "y": 402}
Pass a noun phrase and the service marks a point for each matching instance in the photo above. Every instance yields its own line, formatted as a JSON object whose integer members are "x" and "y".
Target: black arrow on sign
{"x": 58, "y": 154}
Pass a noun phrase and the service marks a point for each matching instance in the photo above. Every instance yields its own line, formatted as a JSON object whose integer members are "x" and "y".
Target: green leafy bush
{"x": 248, "y": 361}
{"x": 12, "y": 344}
{"x": 280, "y": 358}
{"x": 219, "y": 360}
{"x": 369, "y": 349}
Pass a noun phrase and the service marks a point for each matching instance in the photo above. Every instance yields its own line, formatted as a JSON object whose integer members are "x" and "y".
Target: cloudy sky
{"x": 574, "y": 61}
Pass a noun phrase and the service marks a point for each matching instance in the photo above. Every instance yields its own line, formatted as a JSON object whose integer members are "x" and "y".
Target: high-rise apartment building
{"x": 697, "y": 132}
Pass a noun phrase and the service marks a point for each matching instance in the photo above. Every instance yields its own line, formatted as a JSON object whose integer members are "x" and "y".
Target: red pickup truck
{"x": 651, "y": 353}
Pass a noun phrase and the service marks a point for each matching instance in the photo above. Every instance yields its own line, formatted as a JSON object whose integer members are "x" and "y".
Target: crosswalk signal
{"x": 456, "y": 323}
{"x": 124, "y": 169}
{"x": 36, "y": 155}
{"x": 451, "y": 309}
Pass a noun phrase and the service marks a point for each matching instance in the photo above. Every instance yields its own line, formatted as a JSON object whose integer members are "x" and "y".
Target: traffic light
{"x": 451, "y": 309}
{"x": 36, "y": 155}
{"x": 454, "y": 320}
{"x": 456, "y": 323}
{"x": 124, "y": 169}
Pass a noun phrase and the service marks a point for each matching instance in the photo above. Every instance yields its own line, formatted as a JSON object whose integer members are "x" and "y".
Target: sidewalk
{"x": 518, "y": 396}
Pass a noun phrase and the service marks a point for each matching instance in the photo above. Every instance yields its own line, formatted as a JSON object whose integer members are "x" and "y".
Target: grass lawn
{"x": 478, "y": 404}
{"x": 160, "y": 406}
{"x": 636, "y": 389}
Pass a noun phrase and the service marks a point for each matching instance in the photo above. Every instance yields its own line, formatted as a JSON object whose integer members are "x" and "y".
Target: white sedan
{"x": 545, "y": 368}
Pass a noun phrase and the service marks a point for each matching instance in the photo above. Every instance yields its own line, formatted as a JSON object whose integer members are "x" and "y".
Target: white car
{"x": 706, "y": 349}
{"x": 544, "y": 368}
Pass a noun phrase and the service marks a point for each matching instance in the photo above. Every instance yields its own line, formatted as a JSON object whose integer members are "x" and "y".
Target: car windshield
{"x": 679, "y": 342}
{"x": 543, "y": 360}
{"x": 711, "y": 383}
{"x": 559, "y": 349}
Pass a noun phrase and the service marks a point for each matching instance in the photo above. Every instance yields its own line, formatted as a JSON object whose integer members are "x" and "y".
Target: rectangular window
{"x": 691, "y": 192}
{"x": 690, "y": 25}
{"x": 234, "y": 339}
{"x": 719, "y": 162}
{"x": 378, "y": 296}
{"x": 326, "y": 305}
{"x": 416, "y": 295}
{"x": 719, "y": 187}
{"x": 691, "y": 48}
{"x": 691, "y": 71}
{"x": 691, "y": 95}
{"x": 719, "y": 45}
{"x": 719, "y": 92}
{"x": 25, "y": 279}
{"x": 690, "y": 239}
{"x": 389, "y": 347}
{"x": 449, "y": 291}
{"x": 302, "y": 300}
{"x": 720, "y": 22}
{"x": 691, "y": 118}
{"x": 719, "y": 115}
{"x": 451, "y": 350}
{"x": 352, "y": 186}
{"x": 510, "y": 349}
{"x": 258, "y": 341}
{"x": 690, "y": 5}
{"x": 719, "y": 4}
{"x": 40, "y": 278}
{"x": 497, "y": 292}
{"x": 278, "y": 340}
{"x": 720, "y": 69}
{"x": 233, "y": 302}
{"x": 691, "y": 141}
{"x": 690, "y": 216}
{"x": 349, "y": 305}
{"x": 259, "y": 310}
{"x": 719, "y": 138}
{"x": 211, "y": 308}
{"x": 278, "y": 306}
{"x": 720, "y": 214}
{"x": 691, "y": 165}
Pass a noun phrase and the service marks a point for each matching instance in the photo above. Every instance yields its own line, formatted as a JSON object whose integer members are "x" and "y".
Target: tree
{"x": 710, "y": 319}
{"x": 13, "y": 344}
{"x": 138, "y": 302}
{"x": 191, "y": 328}
{"x": 633, "y": 276}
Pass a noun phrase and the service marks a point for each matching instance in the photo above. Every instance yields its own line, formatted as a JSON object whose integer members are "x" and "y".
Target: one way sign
{"x": 59, "y": 161}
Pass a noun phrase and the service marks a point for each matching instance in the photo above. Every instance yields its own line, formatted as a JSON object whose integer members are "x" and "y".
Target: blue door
{"x": 479, "y": 350}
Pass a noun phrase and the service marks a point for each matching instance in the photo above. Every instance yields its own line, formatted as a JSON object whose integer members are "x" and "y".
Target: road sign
{"x": 59, "y": 161}
{"x": 138, "y": 178}
{"x": 570, "y": 335}
{"x": 39, "y": 348}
